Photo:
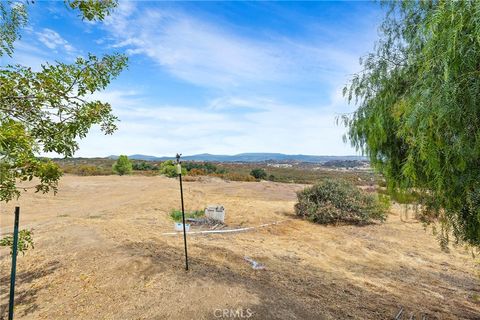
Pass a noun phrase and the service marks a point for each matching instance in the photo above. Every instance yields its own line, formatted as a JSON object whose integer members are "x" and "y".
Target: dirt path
{"x": 100, "y": 254}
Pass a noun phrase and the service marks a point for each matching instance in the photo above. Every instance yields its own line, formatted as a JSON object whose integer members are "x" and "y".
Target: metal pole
{"x": 14, "y": 264}
{"x": 184, "y": 227}
{"x": 179, "y": 172}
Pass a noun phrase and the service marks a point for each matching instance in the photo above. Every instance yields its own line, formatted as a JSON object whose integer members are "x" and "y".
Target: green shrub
{"x": 144, "y": 166}
{"x": 206, "y": 167}
{"x": 334, "y": 201}
{"x": 258, "y": 173}
{"x": 176, "y": 215}
{"x": 122, "y": 165}
{"x": 88, "y": 170}
{"x": 168, "y": 168}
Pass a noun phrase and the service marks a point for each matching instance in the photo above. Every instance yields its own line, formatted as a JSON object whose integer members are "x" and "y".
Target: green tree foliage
{"x": 337, "y": 201}
{"x": 169, "y": 169}
{"x": 50, "y": 109}
{"x": 13, "y": 17}
{"x": 92, "y": 9}
{"x": 418, "y": 118}
{"x": 122, "y": 165}
{"x": 258, "y": 173}
{"x": 25, "y": 241}
{"x": 144, "y": 166}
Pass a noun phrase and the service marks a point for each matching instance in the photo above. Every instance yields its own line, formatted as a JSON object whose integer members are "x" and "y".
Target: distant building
{"x": 280, "y": 165}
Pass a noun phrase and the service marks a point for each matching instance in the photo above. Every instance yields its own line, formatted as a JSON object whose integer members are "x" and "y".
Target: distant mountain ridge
{"x": 249, "y": 157}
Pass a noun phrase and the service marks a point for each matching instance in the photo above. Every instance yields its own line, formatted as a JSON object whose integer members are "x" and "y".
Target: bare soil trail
{"x": 100, "y": 254}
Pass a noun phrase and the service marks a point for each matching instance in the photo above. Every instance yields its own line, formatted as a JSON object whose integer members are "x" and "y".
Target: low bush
{"x": 334, "y": 201}
{"x": 206, "y": 167}
{"x": 258, "y": 173}
{"x": 144, "y": 166}
{"x": 88, "y": 170}
{"x": 168, "y": 168}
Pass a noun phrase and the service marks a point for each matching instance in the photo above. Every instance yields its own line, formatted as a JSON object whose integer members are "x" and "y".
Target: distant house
{"x": 215, "y": 212}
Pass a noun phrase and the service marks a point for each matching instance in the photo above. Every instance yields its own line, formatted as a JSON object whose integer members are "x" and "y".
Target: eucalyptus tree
{"x": 418, "y": 116}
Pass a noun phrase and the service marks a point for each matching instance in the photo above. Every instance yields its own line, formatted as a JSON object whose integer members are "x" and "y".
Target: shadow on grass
{"x": 291, "y": 290}
{"x": 25, "y": 293}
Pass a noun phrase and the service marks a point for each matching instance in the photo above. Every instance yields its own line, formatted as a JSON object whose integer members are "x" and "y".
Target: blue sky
{"x": 216, "y": 77}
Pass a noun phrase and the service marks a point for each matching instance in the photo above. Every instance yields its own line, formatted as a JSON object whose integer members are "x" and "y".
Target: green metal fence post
{"x": 14, "y": 264}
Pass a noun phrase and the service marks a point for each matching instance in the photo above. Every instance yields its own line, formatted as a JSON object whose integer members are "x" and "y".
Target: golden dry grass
{"x": 100, "y": 254}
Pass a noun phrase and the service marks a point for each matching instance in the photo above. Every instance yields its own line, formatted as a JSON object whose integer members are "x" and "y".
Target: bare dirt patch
{"x": 100, "y": 254}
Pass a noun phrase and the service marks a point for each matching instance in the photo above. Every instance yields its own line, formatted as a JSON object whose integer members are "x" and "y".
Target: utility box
{"x": 215, "y": 212}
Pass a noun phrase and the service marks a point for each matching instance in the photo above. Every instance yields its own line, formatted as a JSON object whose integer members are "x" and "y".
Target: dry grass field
{"x": 100, "y": 254}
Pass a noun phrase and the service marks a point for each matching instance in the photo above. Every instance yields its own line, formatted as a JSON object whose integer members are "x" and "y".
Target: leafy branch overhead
{"x": 418, "y": 115}
{"x": 25, "y": 241}
{"x": 50, "y": 109}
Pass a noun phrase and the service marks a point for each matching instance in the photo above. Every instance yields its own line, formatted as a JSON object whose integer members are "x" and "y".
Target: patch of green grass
{"x": 176, "y": 215}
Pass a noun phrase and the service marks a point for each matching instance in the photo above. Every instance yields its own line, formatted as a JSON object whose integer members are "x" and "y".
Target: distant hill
{"x": 250, "y": 157}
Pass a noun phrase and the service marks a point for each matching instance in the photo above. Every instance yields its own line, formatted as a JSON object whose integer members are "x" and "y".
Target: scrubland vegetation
{"x": 296, "y": 173}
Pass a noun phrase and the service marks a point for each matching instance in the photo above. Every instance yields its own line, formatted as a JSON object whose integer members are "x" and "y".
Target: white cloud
{"x": 233, "y": 102}
{"x": 26, "y": 54}
{"x": 167, "y": 129}
{"x": 52, "y": 40}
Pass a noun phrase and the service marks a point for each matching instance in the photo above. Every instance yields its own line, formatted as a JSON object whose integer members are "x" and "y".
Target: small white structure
{"x": 215, "y": 212}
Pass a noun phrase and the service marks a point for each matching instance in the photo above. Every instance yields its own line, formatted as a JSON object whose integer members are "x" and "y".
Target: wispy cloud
{"x": 52, "y": 40}
{"x": 211, "y": 55}
{"x": 26, "y": 54}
